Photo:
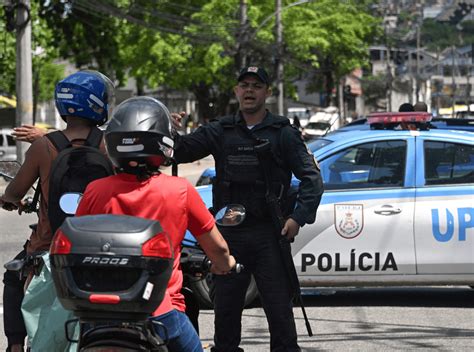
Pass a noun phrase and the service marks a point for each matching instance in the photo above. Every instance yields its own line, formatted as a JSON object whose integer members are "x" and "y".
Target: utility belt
{"x": 252, "y": 197}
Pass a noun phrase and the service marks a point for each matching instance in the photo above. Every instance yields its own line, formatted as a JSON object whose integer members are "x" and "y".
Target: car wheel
{"x": 203, "y": 289}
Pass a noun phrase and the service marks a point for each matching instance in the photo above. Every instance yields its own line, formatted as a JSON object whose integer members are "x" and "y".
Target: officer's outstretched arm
{"x": 217, "y": 251}
{"x": 28, "y": 133}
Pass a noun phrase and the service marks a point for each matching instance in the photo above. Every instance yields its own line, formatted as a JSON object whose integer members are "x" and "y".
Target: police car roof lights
{"x": 398, "y": 117}
{"x": 405, "y": 120}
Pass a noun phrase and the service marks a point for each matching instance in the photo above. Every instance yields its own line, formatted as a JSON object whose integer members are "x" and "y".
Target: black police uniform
{"x": 240, "y": 179}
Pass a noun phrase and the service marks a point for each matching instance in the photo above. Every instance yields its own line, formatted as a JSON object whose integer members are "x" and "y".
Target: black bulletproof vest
{"x": 239, "y": 175}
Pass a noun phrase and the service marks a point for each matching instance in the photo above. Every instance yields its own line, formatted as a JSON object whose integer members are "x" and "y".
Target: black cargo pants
{"x": 13, "y": 293}
{"x": 257, "y": 249}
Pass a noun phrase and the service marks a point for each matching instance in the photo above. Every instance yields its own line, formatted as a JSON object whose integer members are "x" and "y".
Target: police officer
{"x": 241, "y": 179}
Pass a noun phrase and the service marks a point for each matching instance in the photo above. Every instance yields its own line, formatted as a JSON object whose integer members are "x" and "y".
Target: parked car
{"x": 315, "y": 129}
{"x": 397, "y": 209}
{"x": 7, "y": 145}
{"x": 302, "y": 114}
{"x": 465, "y": 115}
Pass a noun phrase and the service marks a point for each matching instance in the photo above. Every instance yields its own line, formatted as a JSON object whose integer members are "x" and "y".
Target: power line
{"x": 94, "y": 7}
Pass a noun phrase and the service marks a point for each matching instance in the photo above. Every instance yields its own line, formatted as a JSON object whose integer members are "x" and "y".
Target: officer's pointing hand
{"x": 176, "y": 119}
{"x": 291, "y": 229}
{"x": 28, "y": 133}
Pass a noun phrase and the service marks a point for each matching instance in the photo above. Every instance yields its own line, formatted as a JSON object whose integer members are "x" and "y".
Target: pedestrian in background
{"x": 420, "y": 106}
{"x": 240, "y": 179}
{"x": 405, "y": 107}
{"x": 296, "y": 122}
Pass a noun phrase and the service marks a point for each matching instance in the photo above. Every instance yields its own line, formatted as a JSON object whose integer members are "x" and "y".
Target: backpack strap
{"x": 59, "y": 140}
{"x": 94, "y": 139}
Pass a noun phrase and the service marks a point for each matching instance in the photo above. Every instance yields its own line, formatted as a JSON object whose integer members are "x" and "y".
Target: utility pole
{"x": 340, "y": 94}
{"x": 389, "y": 79}
{"x": 243, "y": 34}
{"x": 24, "y": 89}
{"x": 279, "y": 37}
{"x": 417, "y": 63}
{"x": 453, "y": 82}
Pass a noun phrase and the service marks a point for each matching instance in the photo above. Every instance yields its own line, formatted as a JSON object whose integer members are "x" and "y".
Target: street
{"x": 379, "y": 319}
{"x": 350, "y": 319}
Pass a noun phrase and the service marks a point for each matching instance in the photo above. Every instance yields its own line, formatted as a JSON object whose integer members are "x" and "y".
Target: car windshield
{"x": 318, "y": 143}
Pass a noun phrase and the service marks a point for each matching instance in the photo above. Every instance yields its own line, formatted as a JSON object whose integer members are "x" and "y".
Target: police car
{"x": 398, "y": 206}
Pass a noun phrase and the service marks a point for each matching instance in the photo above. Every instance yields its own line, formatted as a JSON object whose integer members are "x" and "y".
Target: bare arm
{"x": 217, "y": 250}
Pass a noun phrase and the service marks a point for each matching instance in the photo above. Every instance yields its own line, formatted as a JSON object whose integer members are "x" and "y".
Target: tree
{"x": 375, "y": 88}
{"x": 7, "y": 57}
{"x": 84, "y": 35}
{"x": 327, "y": 37}
{"x": 45, "y": 72}
{"x": 199, "y": 45}
{"x": 324, "y": 39}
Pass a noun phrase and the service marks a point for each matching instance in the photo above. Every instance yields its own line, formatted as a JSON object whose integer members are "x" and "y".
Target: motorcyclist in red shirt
{"x": 139, "y": 140}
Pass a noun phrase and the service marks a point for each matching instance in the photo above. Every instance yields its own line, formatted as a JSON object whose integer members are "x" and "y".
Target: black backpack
{"x": 73, "y": 169}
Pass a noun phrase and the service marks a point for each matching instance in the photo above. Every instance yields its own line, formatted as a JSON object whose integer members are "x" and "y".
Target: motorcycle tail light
{"x": 158, "y": 246}
{"x": 104, "y": 299}
{"x": 60, "y": 244}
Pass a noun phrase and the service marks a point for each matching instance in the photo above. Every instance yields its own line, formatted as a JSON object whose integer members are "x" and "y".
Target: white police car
{"x": 398, "y": 206}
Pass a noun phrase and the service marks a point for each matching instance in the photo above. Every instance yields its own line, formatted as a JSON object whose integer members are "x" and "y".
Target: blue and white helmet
{"x": 87, "y": 94}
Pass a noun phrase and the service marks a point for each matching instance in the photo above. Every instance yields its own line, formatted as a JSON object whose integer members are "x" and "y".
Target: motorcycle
{"x": 91, "y": 254}
{"x": 111, "y": 280}
{"x": 110, "y": 287}
{"x": 104, "y": 277}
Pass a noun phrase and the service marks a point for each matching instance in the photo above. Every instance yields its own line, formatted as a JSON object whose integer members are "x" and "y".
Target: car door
{"x": 364, "y": 225}
{"x": 444, "y": 210}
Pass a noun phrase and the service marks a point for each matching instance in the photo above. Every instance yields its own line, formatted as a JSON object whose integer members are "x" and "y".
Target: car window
{"x": 448, "y": 163}
{"x": 1, "y": 139}
{"x": 369, "y": 165}
{"x": 318, "y": 125}
{"x": 11, "y": 141}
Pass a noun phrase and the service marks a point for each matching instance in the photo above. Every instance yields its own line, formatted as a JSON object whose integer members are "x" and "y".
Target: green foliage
{"x": 45, "y": 72}
{"x": 441, "y": 35}
{"x": 49, "y": 74}
{"x": 321, "y": 37}
{"x": 438, "y": 36}
{"x": 85, "y": 34}
{"x": 199, "y": 45}
{"x": 467, "y": 32}
{"x": 7, "y": 57}
{"x": 375, "y": 88}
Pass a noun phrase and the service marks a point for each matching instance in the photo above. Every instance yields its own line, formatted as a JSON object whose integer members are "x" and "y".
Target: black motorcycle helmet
{"x": 139, "y": 137}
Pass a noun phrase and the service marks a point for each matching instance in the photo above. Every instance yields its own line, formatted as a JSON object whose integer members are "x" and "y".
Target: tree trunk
{"x": 203, "y": 96}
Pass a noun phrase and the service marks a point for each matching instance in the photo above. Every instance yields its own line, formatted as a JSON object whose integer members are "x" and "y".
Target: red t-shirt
{"x": 171, "y": 200}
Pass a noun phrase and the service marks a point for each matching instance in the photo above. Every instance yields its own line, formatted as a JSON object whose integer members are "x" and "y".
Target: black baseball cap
{"x": 254, "y": 70}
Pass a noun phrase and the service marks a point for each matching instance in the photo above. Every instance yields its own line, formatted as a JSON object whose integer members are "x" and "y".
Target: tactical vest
{"x": 239, "y": 175}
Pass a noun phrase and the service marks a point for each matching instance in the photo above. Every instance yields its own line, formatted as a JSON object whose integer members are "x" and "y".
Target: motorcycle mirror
{"x": 230, "y": 215}
{"x": 69, "y": 202}
{"x": 9, "y": 169}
